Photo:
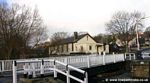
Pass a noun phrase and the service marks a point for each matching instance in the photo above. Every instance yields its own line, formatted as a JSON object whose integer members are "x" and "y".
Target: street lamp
{"x": 137, "y": 35}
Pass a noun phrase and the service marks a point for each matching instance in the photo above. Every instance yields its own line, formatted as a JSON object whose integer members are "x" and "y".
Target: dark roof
{"x": 71, "y": 39}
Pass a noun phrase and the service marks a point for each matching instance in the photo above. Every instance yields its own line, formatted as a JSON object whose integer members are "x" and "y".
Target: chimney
{"x": 75, "y": 35}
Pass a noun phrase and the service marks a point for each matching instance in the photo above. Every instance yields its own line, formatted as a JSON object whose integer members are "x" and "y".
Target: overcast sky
{"x": 83, "y": 15}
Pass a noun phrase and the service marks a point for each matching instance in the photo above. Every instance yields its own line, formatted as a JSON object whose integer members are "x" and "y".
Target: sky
{"x": 83, "y": 15}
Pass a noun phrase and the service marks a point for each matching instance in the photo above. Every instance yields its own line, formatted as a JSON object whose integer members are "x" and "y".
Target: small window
{"x": 67, "y": 47}
{"x": 90, "y": 47}
{"x": 81, "y": 48}
{"x": 87, "y": 38}
{"x": 62, "y": 48}
{"x": 76, "y": 48}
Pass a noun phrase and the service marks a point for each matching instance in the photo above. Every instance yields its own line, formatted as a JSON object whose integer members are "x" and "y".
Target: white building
{"x": 83, "y": 43}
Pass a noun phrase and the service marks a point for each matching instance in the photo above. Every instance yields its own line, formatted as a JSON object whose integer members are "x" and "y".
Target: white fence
{"x": 83, "y": 61}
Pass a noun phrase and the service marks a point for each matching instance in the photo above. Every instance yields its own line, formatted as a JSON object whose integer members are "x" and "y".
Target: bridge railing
{"x": 31, "y": 68}
{"x": 82, "y": 61}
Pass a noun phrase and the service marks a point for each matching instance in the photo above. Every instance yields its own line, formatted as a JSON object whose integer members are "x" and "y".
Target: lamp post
{"x": 137, "y": 38}
{"x": 137, "y": 35}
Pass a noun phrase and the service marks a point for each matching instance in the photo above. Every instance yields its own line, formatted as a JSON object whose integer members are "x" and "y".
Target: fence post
{"x": 14, "y": 72}
{"x": 42, "y": 68}
{"x": 99, "y": 53}
{"x": 0, "y": 66}
{"x": 29, "y": 71}
{"x": 114, "y": 57}
{"x": 86, "y": 77}
{"x": 55, "y": 72}
{"x": 66, "y": 60}
{"x": 134, "y": 56}
{"x": 88, "y": 61}
{"x": 68, "y": 73}
{"x": 33, "y": 67}
{"x": 104, "y": 53}
{"x": 3, "y": 66}
{"x": 103, "y": 58}
{"x": 125, "y": 56}
{"x": 25, "y": 70}
{"x": 130, "y": 56}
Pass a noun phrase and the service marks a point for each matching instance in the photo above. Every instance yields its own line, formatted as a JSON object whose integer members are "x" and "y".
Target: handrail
{"x": 61, "y": 63}
{"x": 28, "y": 61}
{"x": 74, "y": 68}
{"x": 67, "y": 73}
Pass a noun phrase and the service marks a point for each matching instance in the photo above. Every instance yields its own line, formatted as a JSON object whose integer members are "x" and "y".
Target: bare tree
{"x": 147, "y": 32}
{"x": 104, "y": 38}
{"x": 123, "y": 25}
{"x": 19, "y": 27}
{"x": 57, "y": 38}
{"x": 147, "y": 35}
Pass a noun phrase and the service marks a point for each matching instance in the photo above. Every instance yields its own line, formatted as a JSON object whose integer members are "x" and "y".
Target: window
{"x": 62, "y": 48}
{"x": 72, "y": 47}
{"x": 90, "y": 47}
{"x": 87, "y": 38}
{"x": 81, "y": 48}
{"x": 67, "y": 47}
{"x": 76, "y": 48}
